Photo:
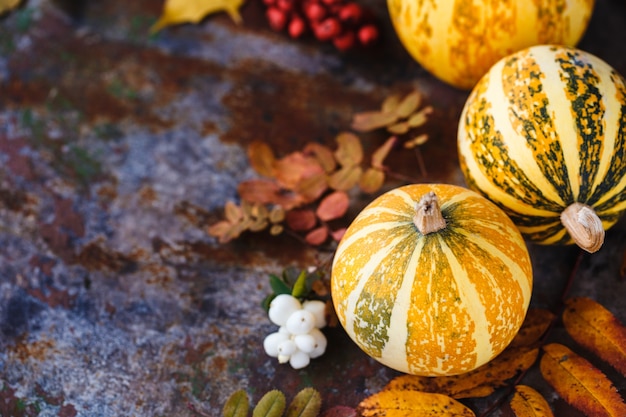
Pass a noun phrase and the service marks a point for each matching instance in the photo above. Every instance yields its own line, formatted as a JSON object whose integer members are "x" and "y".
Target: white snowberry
{"x": 271, "y": 342}
{"x": 318, "y": 309}
{"x": 299, "y": 360}
{"x": 320, "y": 343}
{"x": 300, "y": 322}
{"x": 287, "y": 347}
{"x": 305, "y": 342}
{"x": 282, "y": 307}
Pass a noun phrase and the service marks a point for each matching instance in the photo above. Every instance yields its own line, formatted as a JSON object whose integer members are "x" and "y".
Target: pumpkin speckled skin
{"x": 443, "y": 303}
{"x": 545, "y": 128}
{"x": 459, "y": 40}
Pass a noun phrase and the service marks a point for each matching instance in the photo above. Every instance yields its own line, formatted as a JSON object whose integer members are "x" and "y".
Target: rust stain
{"x": 95, "y": 257}
{"x": 39, "y": 349}
{"x": 54, "y": 297}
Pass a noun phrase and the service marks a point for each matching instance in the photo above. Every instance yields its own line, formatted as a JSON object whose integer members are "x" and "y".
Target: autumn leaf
{"x": 186, "y": 11}
{"x": 317, "y": 236}
{"x": 272, "y": 404}
{"x": 381, "y": 153}
{"x": 307, "y": 403}
{"x": 534, "y": 326}
{"x": 408, "y": 105}
{"x": 323, "y": 154}
{"x": 371, "y": 120}
{"x": 345, "y": 178}
{"x": 333, "y": 206}
{"x": 527, "y": 402}
{"x": 480, "y": 382}
{"x": 262, "y": 191}
{"x": 301, "y": 220}
{"x": 311, "y": 188}
{"x": 237, "y": 405}
{"x": 597, "y": 329}
{"x": 291, "y": 170}
{"x": 349, "y": 151}
{"x": 371, "y": 180}
{"x": 405, "y": 403}
{"x": 261, "y": 158}
{"x": 340, "y": 411}
{"x": 6, "y": 5}
{"x": 579, "y": 383}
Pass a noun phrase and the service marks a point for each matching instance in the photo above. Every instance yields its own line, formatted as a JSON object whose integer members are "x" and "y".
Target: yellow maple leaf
{"x": 193, "y": 11}
{"x": 6, "y": 5}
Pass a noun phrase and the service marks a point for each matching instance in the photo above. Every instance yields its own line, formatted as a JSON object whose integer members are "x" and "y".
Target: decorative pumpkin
{"x": 431, "y": 279}
{"x": 459, "y": 40}
{"x": 543, "y": 135}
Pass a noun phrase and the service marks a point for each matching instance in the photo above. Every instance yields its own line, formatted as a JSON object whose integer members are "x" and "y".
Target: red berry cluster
{"x": 343, "y": 22}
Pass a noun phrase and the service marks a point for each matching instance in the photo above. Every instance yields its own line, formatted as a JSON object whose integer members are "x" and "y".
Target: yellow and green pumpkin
{"x": 459, "y": 40}
{"x": 431, "y": 279}
{"x": 543, "y": 135}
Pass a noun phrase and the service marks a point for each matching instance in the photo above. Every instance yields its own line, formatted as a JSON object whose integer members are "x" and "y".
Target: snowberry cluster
{"x": 343, "y": 22}
{"x": 299, "y": 338}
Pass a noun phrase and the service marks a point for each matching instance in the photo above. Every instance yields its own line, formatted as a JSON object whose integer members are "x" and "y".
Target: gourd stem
{"x": 428, "y": 217}
{"x": 584, "y": 226}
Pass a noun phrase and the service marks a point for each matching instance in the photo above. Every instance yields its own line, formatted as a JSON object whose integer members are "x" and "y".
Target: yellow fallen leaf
{"x": 6, "y": 5}
{"x": 597, "y": 329}
{"x": 193, "y": 11}
{"x": 405, "y": 403}
{"x": 579, "y": 383}
{"x": 527, "y": 402}
{"x": 478, "y": 383}
{"x": 535, "y": 325}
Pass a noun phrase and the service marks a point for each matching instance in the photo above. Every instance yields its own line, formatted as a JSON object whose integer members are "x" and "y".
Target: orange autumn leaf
{"x": 301, "y": 220}
{"x": 323, "y": 154}
{"x": 185, "y": 11}
{"x": 261, "y": 158}
{"x": 371, "y": 180}
{"x": 333, "y": 206}
{"x": 345, "y": 178}
{"x": 317, "y": 236}
{"x": 349, "y": 151}
{"x": 535, "y": 325}
{"x": 381, "y": 153}
{"x": 294, "y": 168}
{"x": 478, "y": 383}
{"x": 405, "y": 403}
{"x": 527, "y": 402}
{"x": 597, "y": 329}
{"x": 311, "y": 188}
{"x": 579, "y": 383}
{"x": 259, "y": 191}
{"x": 371, "y": 120}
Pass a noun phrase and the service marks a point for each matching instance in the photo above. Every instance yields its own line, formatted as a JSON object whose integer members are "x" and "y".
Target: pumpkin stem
{"x": 428, "y": 217}
{"x": 584, "y": 226}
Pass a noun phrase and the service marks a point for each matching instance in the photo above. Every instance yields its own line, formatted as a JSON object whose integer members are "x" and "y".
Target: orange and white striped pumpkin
{"x": 431, "y": 302}
{"x": 543, "y": 133}
{"x": 459, "y": 40}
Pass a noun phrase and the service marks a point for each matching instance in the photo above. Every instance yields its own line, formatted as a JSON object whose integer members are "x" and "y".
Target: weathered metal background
{"x": 118, "y": 148}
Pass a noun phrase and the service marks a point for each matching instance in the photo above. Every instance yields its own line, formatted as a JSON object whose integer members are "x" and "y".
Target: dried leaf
{"x": 333, "y": 206}
{"x": 301, "y": 220}
{"x": 307, "y": 403}
{"x": 272, "y": 404}
{"x": 232, "y": 212}
{"x": 6, "y": 5}
{"x": 258, "y": 191}
{"x": 419, "y": 118}
{"x": 379, "y": 155}
{"x": 579, "y": 383}
{"x": 261, "y": 158}
{"x": 185, "y": 11}
{"x": 406, "y": 403}
{"x": 313, "y": 187}
{"x": 493, "y": 374}
{"x": 349, "y": 151}
{"x": 535, "y": 325}
{"x": 338, "y": 234}
{"x": 323, "y": 154}
{"x": 408, "y": 105}
{"x": 258, "y": 225}
{"x": 416, "y": 141}
{"x": 371, "y": 180}
{"x": 277, "y": 214}
{"x": 371, "y": 120}
{"x": 237, "y": 405}
{"x": 390, "y": 103}
{"x": 527, "y": 402}
{"x": 345, "y": 178}
{"x": 226, "y": 231}
{"x": 340, "y": 411}
{"x": 276, "y": 229}
{"x": 597, "y": 329}
{"x": 294, "y": 168}
{"x": 317, "y": 236}
{"x": 399, "y": 128}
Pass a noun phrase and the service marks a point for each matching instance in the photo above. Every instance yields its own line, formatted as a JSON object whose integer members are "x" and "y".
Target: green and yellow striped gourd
{"x": 543, "y": 135}
{"x": 431, "y": 279}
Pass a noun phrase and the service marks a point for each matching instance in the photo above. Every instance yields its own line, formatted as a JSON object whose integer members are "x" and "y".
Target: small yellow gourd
{"x": 431, "y": 279}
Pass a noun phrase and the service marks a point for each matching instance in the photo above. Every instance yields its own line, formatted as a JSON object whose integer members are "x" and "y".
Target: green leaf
{"x": 307, "y": 403}
{"x": 300, "y": 287}
{"x": 267, "y": 301}
{"x": 271, "y": 405}
{"x": 278, "y": 285}
{"x": 237, "y": 405}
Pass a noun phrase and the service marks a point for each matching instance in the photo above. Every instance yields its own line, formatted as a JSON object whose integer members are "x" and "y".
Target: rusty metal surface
{"x": 117, "y": 149}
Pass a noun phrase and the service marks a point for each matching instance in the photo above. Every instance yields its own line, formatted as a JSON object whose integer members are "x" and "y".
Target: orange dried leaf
{"x": 276, "y": 229}
{"x": 390, "y": 103}
{"x": 597, "y": 329}
{"x": 295, "y": 167}
{"x": 232, "y": 212}
{"x": 317, "y": 236}
{"x": 301, "y": 220}
{"x": 220, "y": 228}
{"x": 338, "y": 234}
{"x": 379, "y": 155}
{"x": 323, "y": 154}
{"x": 371, "y": 120}
{"x": 313, "y": 187}
{"x": 258, "y": 191}
{"x": 527, "y": 402}
{"x": 405, "y": 403}
{"x": 349, "y": 151}
{"x": 419, "y": 118}
{"x": 333, "y": 206}
{"x": 261, "y": 158}
{"x": 399, "y": 128}
{"x": 371, "y": 180}
{"x": 579, "y": 383}
{"x": 535, "y": 325}
{"x": 409, "y": 104}
{"x": 345, "y": 178}
{"x": 185, "y": 11}
{"x": 416, "y": 141}
{"x": 492, "y": 375}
